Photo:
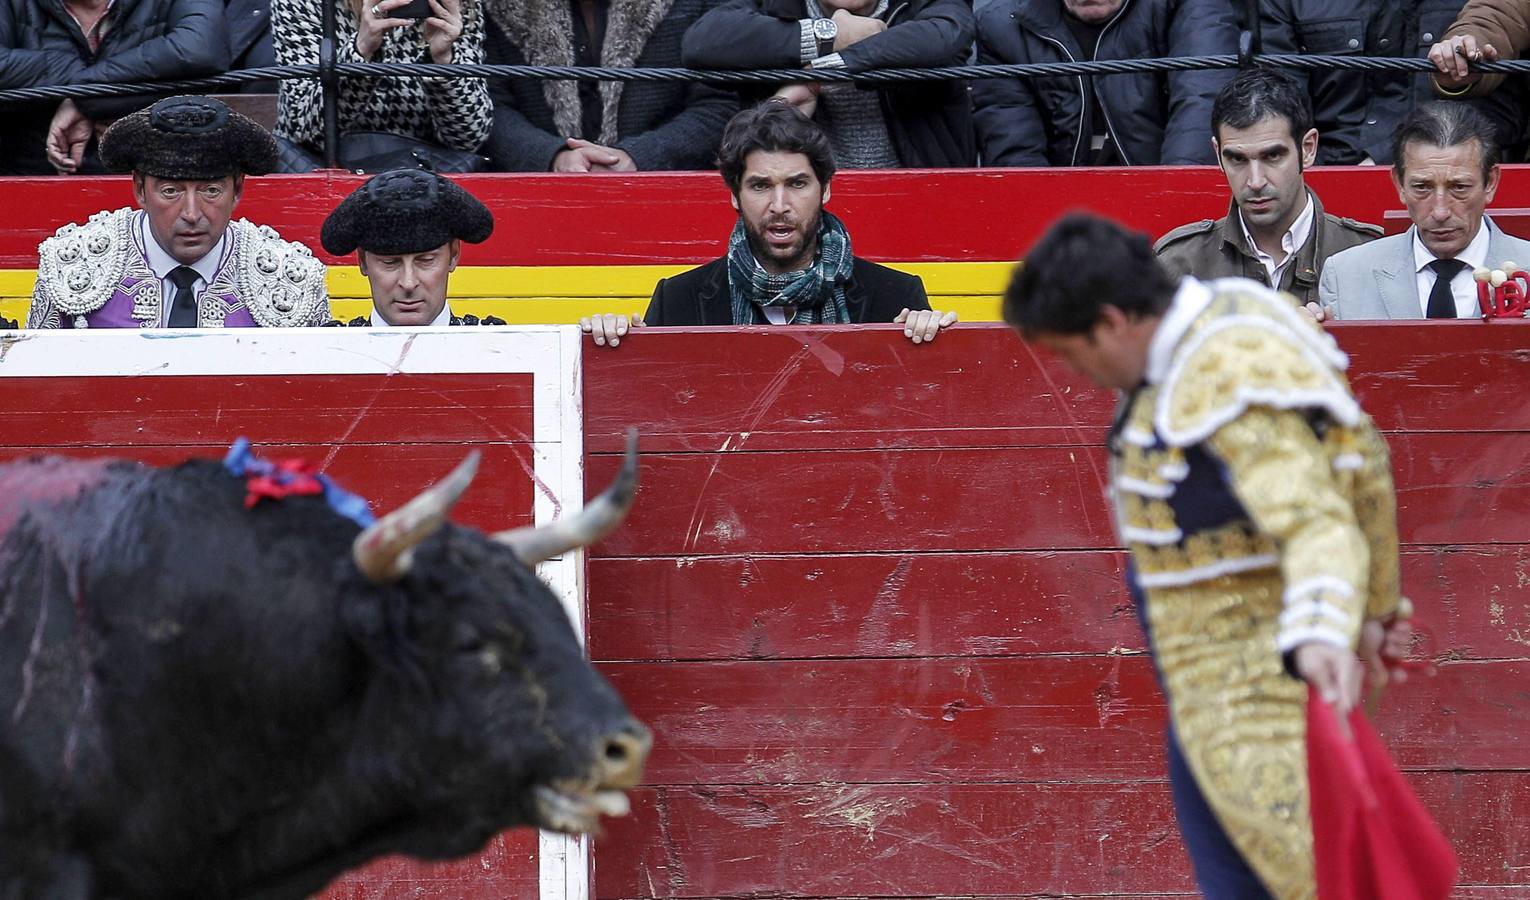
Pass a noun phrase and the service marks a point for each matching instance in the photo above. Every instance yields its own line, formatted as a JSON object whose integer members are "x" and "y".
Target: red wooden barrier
{"x": 551, "y": 220}
{"x": 383, "y": 435}
{"x": 868, "y": 602}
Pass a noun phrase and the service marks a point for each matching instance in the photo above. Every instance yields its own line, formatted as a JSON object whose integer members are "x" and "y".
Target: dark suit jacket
{"x": 700, "y": 296}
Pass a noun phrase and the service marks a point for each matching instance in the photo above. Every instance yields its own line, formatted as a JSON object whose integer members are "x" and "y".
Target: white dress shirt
{"x": 162, "y": 264}
{"x": 1463, "y": 287}
{"x": 444, "y": 317}
{"x": 1290, "y": 242}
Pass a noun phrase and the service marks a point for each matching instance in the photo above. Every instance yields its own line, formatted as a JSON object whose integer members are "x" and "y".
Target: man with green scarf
{"x": 789, "y": 262}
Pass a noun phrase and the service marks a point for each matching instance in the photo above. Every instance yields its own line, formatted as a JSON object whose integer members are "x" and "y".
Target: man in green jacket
{"x": 1275, "y": 230}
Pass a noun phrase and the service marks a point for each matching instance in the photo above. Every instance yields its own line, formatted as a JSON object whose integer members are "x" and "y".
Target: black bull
{"x": 203, "y": 700}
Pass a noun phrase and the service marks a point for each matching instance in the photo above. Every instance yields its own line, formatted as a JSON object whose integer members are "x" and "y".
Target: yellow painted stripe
{"x": 561, "y": 294}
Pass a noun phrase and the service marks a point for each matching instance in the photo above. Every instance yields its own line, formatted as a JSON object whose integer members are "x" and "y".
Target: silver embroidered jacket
{"x": 96, "y": 275}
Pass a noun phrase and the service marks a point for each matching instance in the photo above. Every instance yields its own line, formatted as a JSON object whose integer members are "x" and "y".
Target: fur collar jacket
{"x": 543, "y": 31}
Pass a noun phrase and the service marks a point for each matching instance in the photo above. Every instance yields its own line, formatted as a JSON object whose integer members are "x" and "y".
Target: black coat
{"x": 701, "y": 297}
{"x": 249, "y": 36}
{"x": 1356, "y": 112}
{"x": 930, "y": 123}
{"x": 660, "y": 124}
{"x": 147, "y": 40}
{"x": 1155, "y": 118}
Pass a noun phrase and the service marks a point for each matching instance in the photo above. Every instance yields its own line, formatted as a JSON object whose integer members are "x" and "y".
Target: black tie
{"x": 183, "y": 312}
{"x": 1442, "y": 303}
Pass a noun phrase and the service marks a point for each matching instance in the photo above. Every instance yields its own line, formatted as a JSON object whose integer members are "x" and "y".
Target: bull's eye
{"x": 489, "y": 657}
{"x": 467, "y": 639}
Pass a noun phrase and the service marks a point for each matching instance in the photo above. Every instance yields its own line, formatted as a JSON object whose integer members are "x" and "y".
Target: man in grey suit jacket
{"x": 1446, "y": 172}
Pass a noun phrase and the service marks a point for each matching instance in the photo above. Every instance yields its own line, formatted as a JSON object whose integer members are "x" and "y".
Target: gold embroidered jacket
{"x": 1256, "y": 500}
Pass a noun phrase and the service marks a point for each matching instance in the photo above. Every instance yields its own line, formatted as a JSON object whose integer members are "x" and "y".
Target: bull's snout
{"x": 621, "y": 755}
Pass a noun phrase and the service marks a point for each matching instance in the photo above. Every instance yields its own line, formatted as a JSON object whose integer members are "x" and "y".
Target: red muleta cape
{"x": 1372, "y": 838}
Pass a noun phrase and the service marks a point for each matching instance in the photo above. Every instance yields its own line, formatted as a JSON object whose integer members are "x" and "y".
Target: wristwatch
{"x": 825, "y": 31}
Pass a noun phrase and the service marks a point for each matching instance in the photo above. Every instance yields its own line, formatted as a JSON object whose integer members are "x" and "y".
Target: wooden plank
{"x": 978, "y": 386}
{"x": 975, "y": 840}
{"x": 1462, "y": 488}
{"x": 612, "y": 282}
{"x": 387, "y": 475}
{"x": 610, "y": 219}
{"x": 1474, "y": 603}
{"x": 896, "y": 721}
{"x": 156, "y": 410}
{"x": 1452, "y": 488}
{"x": 871, "y": 500}
{"x": 563, "y": 309}
{"x": 506, "y": 868}
{"x": 1051, "y": 718}
{"x": 893, "y": 605}
{"x": 888, "y": 841}
{"x": 1414, "y": 377}
{"x": 764, "y": 389}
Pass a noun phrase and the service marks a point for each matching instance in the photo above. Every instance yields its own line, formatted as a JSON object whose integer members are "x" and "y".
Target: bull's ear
{"x": 595, "y": 521}
{"x": 385, "y": 549}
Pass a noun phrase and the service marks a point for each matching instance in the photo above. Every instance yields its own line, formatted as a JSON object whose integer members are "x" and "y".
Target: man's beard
{"x": 802, "y": 254}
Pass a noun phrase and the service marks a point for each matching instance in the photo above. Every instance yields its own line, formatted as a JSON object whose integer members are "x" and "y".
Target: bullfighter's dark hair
{"x": 1446, "y": 123}
{"x": 1260, "y": 93}
{"x": 1081, "y": 264}
{"x": 775, "y": 127}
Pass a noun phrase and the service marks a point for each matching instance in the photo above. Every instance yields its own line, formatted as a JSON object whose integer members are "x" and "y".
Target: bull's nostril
{"x": 621, "y": 756}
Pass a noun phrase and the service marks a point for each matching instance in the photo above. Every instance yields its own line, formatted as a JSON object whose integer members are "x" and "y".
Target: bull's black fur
{"x": 200, "y": 700}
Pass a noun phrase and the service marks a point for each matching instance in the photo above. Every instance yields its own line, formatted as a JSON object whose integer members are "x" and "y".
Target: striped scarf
{"x": 817, "y": 292}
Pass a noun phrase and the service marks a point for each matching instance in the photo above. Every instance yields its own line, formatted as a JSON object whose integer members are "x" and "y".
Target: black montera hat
{"x": 190, "y": 138}
{"x": 405, "y": 211}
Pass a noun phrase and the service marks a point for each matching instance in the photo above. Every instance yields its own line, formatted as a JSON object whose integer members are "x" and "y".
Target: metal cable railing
{"x": 756, "y": 76}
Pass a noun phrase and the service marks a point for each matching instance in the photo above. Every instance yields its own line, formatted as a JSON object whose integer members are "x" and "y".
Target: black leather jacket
{"x": 146, "y": 40}
{"x": 1154, "y": 118}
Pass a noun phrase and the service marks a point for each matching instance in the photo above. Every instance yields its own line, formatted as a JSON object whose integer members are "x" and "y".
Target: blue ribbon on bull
{"x": 274, "y": 480}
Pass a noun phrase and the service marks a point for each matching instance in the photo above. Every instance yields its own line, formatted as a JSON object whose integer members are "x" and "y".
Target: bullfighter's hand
{"x": 68, "y": 134}
{"x": 853, "y": 28}
{"x": 802, "y": 96}
{"x": 1334, "y": 671}
{"x": 373, "y": 20}
{"x": 609, "y": 328}
{"x": 1317, "y": 312}
{"x": 1452, "y": 56}
{"x": 921, "y": 326}
{"x": 1384, "y": 641}
{"x": 442, "y": 29}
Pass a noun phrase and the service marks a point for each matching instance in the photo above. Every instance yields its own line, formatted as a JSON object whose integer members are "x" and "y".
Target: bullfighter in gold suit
{"x": 1256, "y": 499}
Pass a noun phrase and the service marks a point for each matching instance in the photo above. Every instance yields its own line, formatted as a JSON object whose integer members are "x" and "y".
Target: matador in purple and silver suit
{"x": 114, "y": 272}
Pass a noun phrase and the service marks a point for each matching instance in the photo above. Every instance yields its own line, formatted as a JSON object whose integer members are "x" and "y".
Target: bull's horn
{"x": 533, "y": 544}
{"x": 384, "y": 550}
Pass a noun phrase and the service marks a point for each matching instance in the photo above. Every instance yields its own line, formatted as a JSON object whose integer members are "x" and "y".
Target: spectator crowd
{"x": 460, "y": 124}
